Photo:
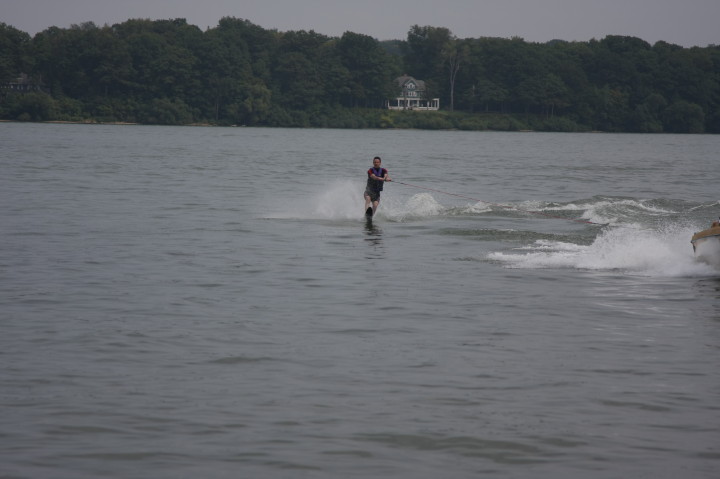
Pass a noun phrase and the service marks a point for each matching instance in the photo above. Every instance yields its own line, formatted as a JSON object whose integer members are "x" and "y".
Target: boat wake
{"x": 628, "y": 248}
{"x": 645, "y": 237}
{"x": 640, "y": 236}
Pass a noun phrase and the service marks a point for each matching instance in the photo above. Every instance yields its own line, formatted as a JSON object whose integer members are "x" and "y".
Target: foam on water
{"x": 477, "y": 208}
{"x": 664, "y": 252}
{"x": 604, "y": 210}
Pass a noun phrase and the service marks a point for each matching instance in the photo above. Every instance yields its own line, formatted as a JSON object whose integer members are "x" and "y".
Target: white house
{"x": 412, "y": 96}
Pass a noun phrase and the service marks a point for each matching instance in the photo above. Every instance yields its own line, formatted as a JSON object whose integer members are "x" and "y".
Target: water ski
{"x": 369, "y": 213}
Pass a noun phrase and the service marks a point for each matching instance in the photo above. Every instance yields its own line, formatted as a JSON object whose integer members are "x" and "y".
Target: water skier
{"x": 377, "y": 176}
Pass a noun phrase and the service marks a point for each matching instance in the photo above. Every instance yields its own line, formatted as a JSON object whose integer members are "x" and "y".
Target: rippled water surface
{"x": 209, "y": 302}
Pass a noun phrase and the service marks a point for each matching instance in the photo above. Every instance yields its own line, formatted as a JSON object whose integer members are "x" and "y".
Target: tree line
{"x": 238, "y": 73}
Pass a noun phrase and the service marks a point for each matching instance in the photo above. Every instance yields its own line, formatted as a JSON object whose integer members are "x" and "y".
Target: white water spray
{"x": 664, "y": 252}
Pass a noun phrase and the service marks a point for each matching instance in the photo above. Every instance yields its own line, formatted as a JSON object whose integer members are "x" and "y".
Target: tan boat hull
{"x": 706, "y": 245}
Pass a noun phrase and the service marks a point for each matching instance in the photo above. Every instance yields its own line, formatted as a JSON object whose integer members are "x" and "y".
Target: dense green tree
{"x": 164, "y": 68}
{"x": 15, "y": 57}
{"x": 425, "y": 52}
{"x": 31, "y": 106}
{"x": 369, "y": 68}
{"x": 622, "y": 62}
{"x": 684, "y": 117}
{"x": 56, "y": 58}
{"x": 167, "y": 71}
{"x": 648, "y": 114}
{"x": 297, "y": 72}
{"x": 226, "y": 61}
{"x": 298, "y": 80}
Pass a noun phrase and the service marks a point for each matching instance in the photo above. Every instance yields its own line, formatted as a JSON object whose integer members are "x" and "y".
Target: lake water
{"x": 183, "y": 302}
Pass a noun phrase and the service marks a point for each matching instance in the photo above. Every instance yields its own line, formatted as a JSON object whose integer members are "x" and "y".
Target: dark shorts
{"x": 374, "y": 195}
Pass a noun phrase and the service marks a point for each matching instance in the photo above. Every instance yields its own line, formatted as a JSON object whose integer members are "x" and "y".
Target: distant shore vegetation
{"x": 169, "y": 72}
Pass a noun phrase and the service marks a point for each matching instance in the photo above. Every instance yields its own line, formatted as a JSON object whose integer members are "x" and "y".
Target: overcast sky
{"x": 683, "y": 22}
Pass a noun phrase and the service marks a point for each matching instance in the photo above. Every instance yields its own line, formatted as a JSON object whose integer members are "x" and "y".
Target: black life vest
{"x": 376, "y": 185}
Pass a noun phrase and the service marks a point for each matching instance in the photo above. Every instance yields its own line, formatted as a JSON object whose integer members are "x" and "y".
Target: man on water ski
{"x": 377, "y": 176}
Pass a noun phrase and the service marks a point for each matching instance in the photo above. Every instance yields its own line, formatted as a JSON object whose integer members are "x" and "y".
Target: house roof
{"x": 404, "y": 79}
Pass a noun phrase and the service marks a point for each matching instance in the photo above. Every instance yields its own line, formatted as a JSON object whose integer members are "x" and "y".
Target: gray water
{"x": 180, "y": 302}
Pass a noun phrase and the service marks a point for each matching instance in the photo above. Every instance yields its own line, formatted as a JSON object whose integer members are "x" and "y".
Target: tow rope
{"x": 577, "y": 220}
